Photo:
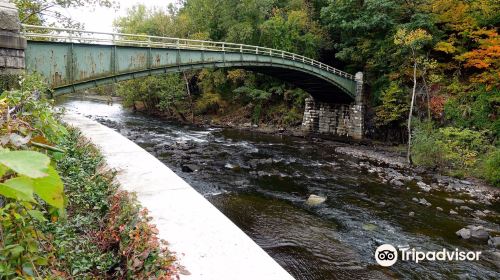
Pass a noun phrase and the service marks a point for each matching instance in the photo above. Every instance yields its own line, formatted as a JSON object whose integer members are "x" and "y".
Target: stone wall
{"x": 340, "y": 120}
{"x": 343, "y": 120}
{"x": 12, "y": 45}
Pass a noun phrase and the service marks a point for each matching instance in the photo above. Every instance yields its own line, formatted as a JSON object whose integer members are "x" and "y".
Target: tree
{"x": 485, "y": 58}
{"x": 170, "y": 91}
{"x": 293, "y": 32}
{"x": 412, "y": 40}
{"x": 394, "y": 106}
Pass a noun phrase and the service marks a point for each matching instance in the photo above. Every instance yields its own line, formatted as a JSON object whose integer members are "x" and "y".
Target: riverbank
{"x": 379, "y": 158}
{"x": 261, "y": 182}
{"x": 106, "y": 232}
{"x": 61, "y": 215}
{"x": 208, "y": 245}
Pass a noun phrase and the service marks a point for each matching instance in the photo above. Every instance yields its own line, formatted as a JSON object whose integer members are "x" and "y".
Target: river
{"x": 261, "y": 183}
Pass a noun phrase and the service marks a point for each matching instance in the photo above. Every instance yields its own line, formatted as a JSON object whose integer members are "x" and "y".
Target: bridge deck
{"x": 75, "y": 60}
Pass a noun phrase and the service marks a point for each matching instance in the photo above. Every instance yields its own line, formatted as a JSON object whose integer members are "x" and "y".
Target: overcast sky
{"x": 101, "y": 19}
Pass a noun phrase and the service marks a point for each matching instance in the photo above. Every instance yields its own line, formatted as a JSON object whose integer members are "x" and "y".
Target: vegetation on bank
{"x": 436, "y": 62}
{"x": 431, "y": 68}
{"x": 60, "y": 214}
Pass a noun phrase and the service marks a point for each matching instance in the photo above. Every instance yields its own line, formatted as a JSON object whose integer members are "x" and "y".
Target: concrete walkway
{"x": 206, "y": 243}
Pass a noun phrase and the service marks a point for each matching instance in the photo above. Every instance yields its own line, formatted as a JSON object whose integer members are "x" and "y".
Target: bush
{"x": 490, "y": 167}
{"x": 30, "y": 188}
{"x": 448, "y": 147}
{"x": 477, "y": 109}
{"x": 106, "y": 234}
{"x": 209, "y": 103}
{"x": 463, "y": 146}
{"x": 129, "y": 230}
{"x": 427, "y": 150}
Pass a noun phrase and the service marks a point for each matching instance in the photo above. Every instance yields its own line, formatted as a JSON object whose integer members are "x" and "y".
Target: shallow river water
{"x": 261, "y": 182}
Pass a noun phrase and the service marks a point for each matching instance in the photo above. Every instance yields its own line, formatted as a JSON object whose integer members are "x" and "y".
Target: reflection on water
{"x": 261, "y": 183}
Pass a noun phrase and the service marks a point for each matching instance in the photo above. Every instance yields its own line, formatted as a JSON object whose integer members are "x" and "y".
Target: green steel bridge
{"x": 74, "y": 60}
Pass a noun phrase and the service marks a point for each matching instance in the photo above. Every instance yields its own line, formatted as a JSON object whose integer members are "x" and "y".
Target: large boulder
{"x": 478, "y": 233}
{"x": 315, "y": 200}
{"x": 464, "y": 233}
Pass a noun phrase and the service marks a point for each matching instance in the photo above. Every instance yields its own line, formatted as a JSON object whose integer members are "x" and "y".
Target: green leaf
{"x": 42, "y": 261}
{"x": 37, "y": 215}
{"x": 28, "y": 163}
{"x": 20, "y": 188}
{"x": 16, "y": 250}
{"x": 3, "y": 169}
{"x": 50, "y": 188}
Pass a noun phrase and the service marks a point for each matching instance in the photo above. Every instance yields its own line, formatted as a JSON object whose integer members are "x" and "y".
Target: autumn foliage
{"x": 129, "y": 231}
{"x": 485, "y": 58}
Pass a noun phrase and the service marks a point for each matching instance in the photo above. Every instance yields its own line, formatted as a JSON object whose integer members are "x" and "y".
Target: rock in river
{"x": 494, "y": 241}
{"x": 479, "y": 233}
{"x": 189, "y": 168}
{"x": 464, "y": 233}
{"x": 315, "y": 200}
{"x": 455, "y": 201}
{"x": 465, "y": 208}
{"x": 423, "y": 201}
{"x": 473, "y": 232}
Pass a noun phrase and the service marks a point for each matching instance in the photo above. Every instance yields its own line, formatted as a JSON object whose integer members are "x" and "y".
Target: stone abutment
{"x": 339, "y": 120}
{"x": 12, "y": 44}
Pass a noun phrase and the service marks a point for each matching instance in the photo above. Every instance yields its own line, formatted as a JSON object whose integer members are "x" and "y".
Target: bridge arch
{"x": 74, "y": 60}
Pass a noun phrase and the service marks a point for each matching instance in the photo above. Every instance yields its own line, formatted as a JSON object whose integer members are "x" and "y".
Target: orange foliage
{"x": 488, "y": 53}
{"x": 485, "y": 58}
{"x": 436, "y": 105}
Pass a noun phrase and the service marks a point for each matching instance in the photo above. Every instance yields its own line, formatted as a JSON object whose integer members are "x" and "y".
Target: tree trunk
{"x": 189, "y": 97}
{"x": 428, "y": 97}
{"x": 408, "y": 155}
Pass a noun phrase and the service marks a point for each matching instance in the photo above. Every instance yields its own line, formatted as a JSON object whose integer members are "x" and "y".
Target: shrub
{"x": 463, "y": 146}
{"x": 490, "y": 167}
{"x": 293, "y": 117}
{"x": 448, "y": 147}
{"x": 30, "y": 186}
{"x": 106, "y": 235}
{"x": 140, "y": 250}
{"x": 209, "y": 102}
{"x": 477, "y": 109}
{"x": 427, "y": 150}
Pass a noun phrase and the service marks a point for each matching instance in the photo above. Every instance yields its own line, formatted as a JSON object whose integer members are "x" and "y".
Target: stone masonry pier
{"x": 340, "y": 120}
{"x": 12, "y": 45}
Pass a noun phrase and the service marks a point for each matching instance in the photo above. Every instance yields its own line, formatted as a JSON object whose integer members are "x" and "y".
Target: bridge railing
{"x": 42, "y": 33}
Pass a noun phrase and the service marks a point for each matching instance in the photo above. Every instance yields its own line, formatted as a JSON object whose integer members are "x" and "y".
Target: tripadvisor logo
{"x": 387, "y": 255}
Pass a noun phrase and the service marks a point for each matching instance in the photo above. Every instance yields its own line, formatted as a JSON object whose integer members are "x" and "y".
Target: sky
{"x": 101, "y": 19}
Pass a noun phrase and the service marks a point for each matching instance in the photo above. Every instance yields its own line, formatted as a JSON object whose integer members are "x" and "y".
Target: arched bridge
{"x": 73, "y": 60}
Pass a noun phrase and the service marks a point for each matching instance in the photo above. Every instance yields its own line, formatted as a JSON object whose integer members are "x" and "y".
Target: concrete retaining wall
{"x": 207, "y": 244}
